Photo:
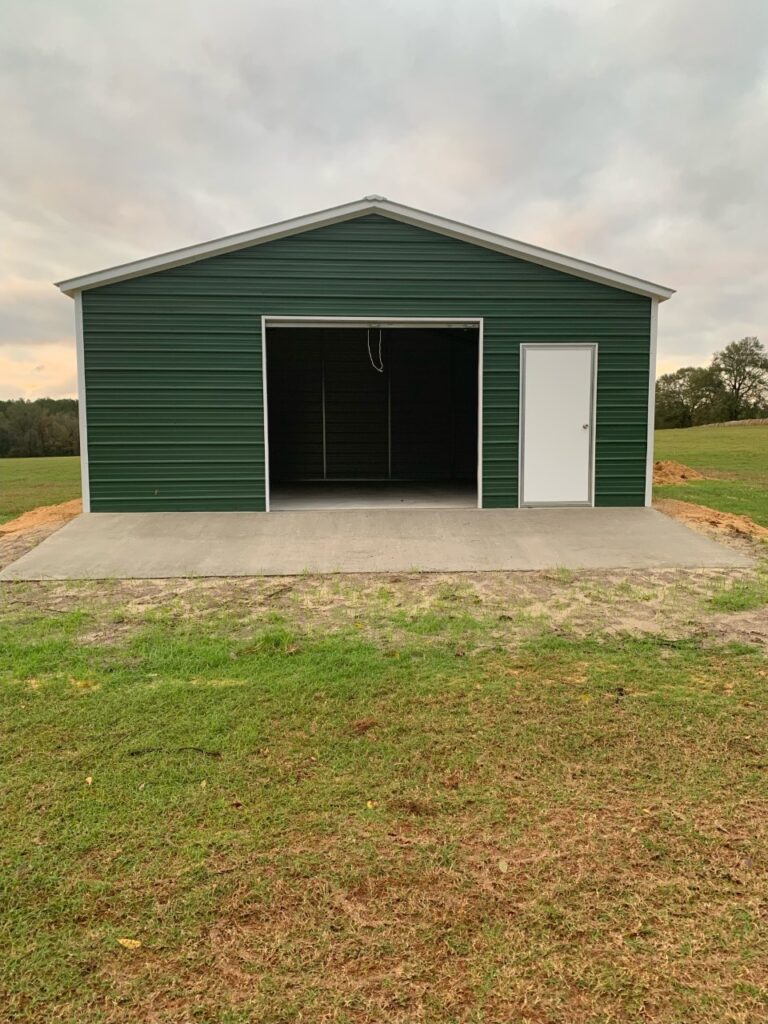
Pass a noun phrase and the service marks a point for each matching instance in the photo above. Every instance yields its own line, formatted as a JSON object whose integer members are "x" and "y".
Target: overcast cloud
{"x": 632, "y": 134}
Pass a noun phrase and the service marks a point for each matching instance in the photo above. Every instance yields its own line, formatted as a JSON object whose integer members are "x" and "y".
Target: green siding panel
{"x": 173, "y": 359}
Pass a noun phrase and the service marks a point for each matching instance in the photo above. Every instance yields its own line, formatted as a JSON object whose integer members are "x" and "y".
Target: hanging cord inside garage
{"x": 380, "y": 367}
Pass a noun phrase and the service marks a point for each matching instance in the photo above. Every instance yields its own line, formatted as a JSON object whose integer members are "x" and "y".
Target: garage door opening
{"x": 372, "y": 415}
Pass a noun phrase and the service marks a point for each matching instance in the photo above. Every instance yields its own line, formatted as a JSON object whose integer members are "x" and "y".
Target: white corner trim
{"x": 85, "y": 485}
{"x": 361, "y": 207}
{"x": 651, "y": 402}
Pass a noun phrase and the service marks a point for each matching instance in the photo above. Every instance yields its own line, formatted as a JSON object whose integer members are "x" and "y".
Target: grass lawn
{"x": 342, "y": 800}
{"x": 737, "y": 457}
{"x": 27, "y": 483}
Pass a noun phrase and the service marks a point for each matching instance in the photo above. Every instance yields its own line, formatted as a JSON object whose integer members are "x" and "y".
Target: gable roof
{"x": 359, "y": 208}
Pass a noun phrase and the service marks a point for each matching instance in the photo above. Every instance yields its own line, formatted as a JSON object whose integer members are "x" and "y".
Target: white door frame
{"x": 284, "y": 320}
{"x": 569, "y": 346}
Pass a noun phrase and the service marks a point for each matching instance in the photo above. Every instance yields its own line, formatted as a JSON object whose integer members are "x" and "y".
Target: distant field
{"x": 27, "y": 483}
{"x": 735, "y": 457}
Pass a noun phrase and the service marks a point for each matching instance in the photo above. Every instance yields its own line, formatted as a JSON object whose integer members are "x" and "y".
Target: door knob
{"x": 585, "y": 426}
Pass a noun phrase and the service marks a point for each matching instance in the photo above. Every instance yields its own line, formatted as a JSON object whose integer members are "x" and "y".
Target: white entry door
{"x": 556, "y": 424}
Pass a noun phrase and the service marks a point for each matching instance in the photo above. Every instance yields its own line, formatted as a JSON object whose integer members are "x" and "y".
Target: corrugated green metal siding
{"x": 173, "y": 359}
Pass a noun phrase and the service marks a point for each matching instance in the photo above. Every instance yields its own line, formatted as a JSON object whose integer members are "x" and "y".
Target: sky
{"x": 631, "y": 134}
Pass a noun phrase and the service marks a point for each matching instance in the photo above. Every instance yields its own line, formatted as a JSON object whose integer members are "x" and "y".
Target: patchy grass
{"x": 351, "y": 801}
{"x": 28, "y": 483}
{"x": 737, "y": 457}
{"x": 742, "y": 595}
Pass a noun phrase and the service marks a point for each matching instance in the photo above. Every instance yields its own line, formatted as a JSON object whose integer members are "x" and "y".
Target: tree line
{"x": 46, "y": 426}
{"x": 733, "y": 387}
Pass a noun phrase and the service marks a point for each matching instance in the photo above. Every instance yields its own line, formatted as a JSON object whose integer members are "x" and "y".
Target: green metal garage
{"x": 369, "y": 355}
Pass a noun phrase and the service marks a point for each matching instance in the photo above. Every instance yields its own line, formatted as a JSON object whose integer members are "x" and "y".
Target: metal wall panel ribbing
{"x": 173, "y": 359}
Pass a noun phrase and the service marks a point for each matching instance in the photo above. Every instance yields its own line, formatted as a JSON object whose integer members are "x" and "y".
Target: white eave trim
{"x": 406, "y": 214}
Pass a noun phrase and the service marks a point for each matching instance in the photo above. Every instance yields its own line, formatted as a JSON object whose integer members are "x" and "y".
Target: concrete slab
{"x": 171, "y": 544}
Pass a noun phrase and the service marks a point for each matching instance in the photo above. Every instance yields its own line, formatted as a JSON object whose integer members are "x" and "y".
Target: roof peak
{"x": 349, "y": 211}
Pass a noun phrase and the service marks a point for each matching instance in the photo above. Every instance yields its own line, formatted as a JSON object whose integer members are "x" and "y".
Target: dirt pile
{"x": 45, "y": 515}
{"x": 721, "y": 522}
{"x": 669, "y": 472}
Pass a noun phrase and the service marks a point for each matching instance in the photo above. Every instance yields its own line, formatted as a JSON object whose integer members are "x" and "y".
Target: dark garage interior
{"x": 372, "y": 416}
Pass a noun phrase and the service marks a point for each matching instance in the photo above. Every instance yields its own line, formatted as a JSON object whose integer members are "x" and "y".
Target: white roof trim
{"x": 370, "y": 204}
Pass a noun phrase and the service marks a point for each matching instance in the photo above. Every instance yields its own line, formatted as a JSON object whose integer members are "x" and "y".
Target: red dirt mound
{"x": 43, "y": 516}
{"x": 722, "y": 522}
{"x": 668, "y": 472}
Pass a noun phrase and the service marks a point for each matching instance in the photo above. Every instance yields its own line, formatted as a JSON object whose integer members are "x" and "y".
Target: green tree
{"x": 743, "y": 370}
{"x": 47, "y": 426}
{"x": 689, "y": 396}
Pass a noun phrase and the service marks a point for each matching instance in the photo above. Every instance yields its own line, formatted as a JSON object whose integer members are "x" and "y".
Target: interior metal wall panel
{"x": 296, "y": 414}
{"x": 433, "y": 388}
{"x": 355, "y": 409}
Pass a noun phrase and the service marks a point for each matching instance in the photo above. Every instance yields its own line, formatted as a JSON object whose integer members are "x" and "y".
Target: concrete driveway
{"x": 154, "y": 545}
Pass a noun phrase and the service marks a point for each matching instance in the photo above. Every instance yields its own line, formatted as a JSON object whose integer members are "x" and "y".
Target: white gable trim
{"x": 371, "y": 204}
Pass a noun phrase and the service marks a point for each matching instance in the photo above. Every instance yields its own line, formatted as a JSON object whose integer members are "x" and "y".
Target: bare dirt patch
{"x": 20, "y": 535}
{"x": 669, "y": 472}
{"x": 480, "y": 611}
{"x": 720, "y": 525}
{"x": 44, "y": 515}
{"x": 749, "y": 627}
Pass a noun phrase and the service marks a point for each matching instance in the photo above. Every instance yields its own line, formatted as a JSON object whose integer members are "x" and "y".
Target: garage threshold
{"x": 371, "y": 495}
{"x": 162, "y": 545}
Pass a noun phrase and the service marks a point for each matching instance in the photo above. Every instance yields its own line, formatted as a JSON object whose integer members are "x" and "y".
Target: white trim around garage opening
{"x": 85, "y": 484}
{"x": 651, "y": 402}
{"x": 374, "y": 321}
